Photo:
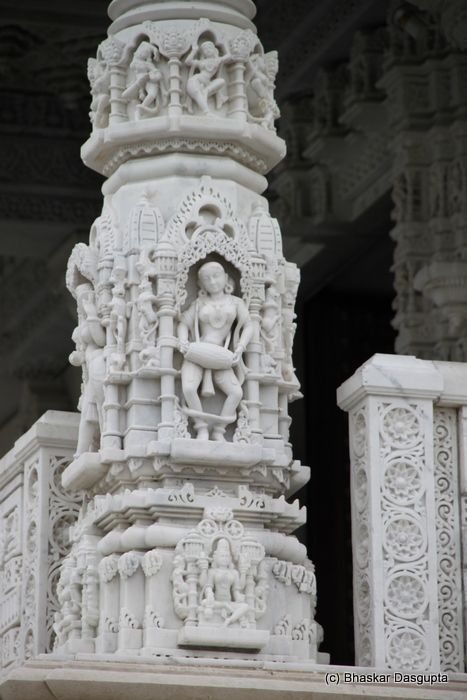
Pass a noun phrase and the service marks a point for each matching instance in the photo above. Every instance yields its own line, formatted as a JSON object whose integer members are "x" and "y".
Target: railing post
{"x": 390, "y": 405}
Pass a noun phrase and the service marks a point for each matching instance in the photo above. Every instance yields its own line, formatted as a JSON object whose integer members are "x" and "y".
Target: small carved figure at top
{"x": 89, "y": 337}
{"x": 148, "y": 322}
{"x": 99, "y": 79}
{"x": 118, "y": 321}
{"x": 148, "y": 85}
{"x": 214, "y": 321}
{"x": 204, "y": 84}
{"x": 271, "y": 321}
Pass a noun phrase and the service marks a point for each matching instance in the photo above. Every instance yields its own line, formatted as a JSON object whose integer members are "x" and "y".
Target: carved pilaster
{"x": 407, "y": 563}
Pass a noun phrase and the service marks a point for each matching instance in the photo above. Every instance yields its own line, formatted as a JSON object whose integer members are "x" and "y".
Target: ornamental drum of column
{"x": 185, "y": 332}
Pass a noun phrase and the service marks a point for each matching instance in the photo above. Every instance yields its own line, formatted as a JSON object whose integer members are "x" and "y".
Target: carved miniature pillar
{"x": 255, "y": 351}
{"x": 109, "y": 604}
{"x": 153, "y": 611}
{"x": 237, "y": 96}
{"x": 111, "y": 435}
{"x": 130, "y": 632}
{"x": 112, "y": 52}
{"x": 165, "y": 263}
{"x": 238, "y": 104}
{"x": 401, "y": 465}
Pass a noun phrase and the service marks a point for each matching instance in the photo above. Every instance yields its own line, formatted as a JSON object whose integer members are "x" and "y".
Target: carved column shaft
{"x": 183, "y": 292}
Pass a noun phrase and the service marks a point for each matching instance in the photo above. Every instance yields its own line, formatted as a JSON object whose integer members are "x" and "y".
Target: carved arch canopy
{"x": 205, "y": 225}
{"x": 203, "y": 245}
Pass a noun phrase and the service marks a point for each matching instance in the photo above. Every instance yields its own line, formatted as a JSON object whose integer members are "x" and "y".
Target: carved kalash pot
{"x": 185, "y": 331}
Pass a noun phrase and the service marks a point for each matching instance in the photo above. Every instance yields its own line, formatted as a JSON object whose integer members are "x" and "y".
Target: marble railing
{"x": 408, "y": 430}
{"x": 35, "y": 515}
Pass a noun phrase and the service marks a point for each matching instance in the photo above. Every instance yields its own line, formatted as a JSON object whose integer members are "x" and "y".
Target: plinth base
{"x": 222, "y": 637}
{"x": 210, "y": 452}
{"x": 82, "y": 679}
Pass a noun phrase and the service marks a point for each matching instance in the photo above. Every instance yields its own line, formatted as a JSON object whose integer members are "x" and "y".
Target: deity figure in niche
{"x": 148, "y": 323}
{"x": 223, "y": 585}
{"x": 89, "y": 338}
{"x": 118, "y": 323}
{"x": 148, "y": 85}
{"x": 204, "y": 84}
{"x": 214, "y": 322}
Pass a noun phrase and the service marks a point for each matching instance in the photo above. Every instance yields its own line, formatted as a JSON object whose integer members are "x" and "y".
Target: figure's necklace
{"x": 217, "y": 314}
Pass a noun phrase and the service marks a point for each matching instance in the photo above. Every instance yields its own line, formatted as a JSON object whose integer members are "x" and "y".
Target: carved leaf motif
{"x": 110, "y": 624}
{"x": 284, "y": 626}
{"x": 152, "y": 562}
{"x": 108, "y": 568}
{"x": 152, "y": 620}
{"x": 112, "y": 50}
{"x": 128, "y": 564}
{"x": 128, "y": 620}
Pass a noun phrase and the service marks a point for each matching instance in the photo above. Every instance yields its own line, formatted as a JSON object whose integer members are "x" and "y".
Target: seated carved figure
{"x": 216, "y": 321}
{"x": 223, "y": 587}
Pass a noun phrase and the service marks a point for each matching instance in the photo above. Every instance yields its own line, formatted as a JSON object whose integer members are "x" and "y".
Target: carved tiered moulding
{"x": 184, "y": 543}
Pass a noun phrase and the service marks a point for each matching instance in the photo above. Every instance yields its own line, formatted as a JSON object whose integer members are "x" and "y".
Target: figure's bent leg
{"x": 241, "y": 610}
{"x": 214, "y": 86}
{"x": 86, "y": 436}
{"x": 198, "y": 94}
{"x": 191, "y": 379}
{"x": 228, "y": 383}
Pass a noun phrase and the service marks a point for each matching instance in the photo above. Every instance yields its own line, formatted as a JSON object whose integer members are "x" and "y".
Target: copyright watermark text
{"x": 335, "y": 678}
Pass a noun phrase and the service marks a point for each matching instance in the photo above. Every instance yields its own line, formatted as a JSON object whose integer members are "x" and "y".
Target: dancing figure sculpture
{"x": 148, "y": 85}
{"x": 215, "y": 321}
{"x": 204, "y": 84}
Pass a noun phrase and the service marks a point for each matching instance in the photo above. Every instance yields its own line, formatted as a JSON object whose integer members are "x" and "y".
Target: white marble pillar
{"x": 185, "y": 332}
{"x": 405, "y": 513}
